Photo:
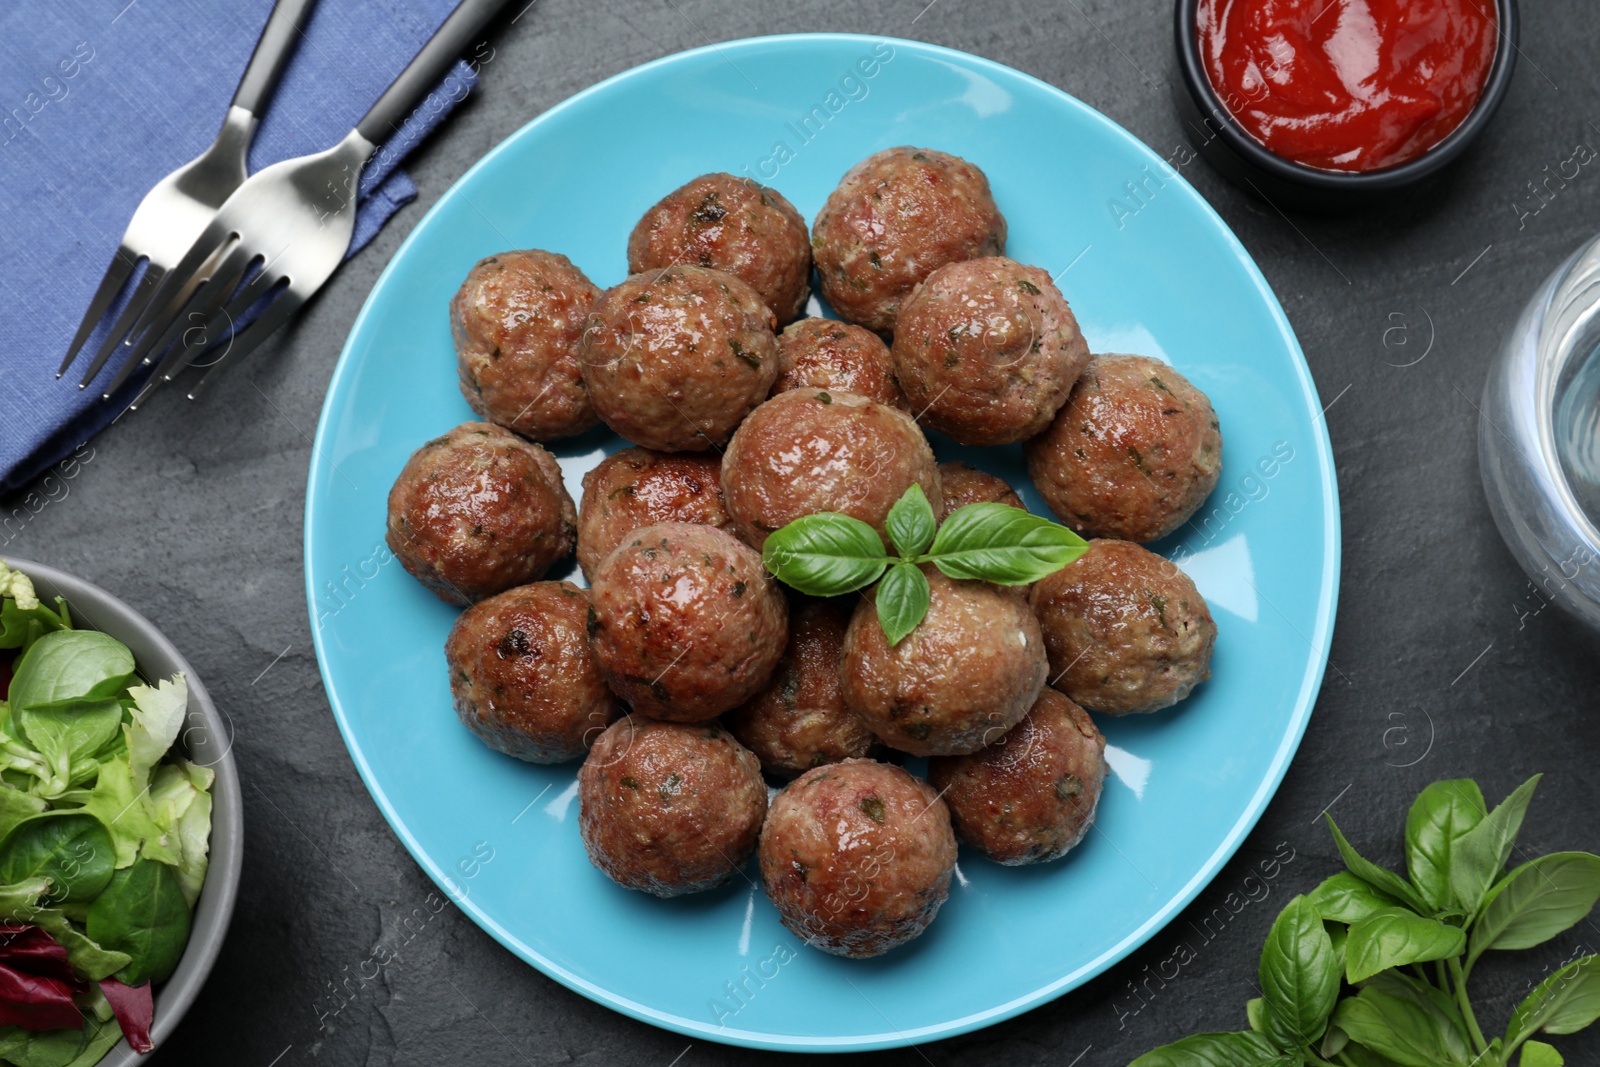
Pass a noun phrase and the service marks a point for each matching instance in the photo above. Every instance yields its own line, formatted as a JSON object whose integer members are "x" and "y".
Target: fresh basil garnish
{"x": 1406, "y": 948}
{"x": 826, "y": 554}
{"x": 829, "y": 554}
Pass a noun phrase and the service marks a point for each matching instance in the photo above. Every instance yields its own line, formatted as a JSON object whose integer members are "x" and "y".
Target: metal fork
{"x": 287, "y": 228}
{"x": 177, "y": 208}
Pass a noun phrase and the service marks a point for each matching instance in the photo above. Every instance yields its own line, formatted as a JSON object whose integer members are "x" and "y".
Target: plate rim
{"x": 1311, "y": 681}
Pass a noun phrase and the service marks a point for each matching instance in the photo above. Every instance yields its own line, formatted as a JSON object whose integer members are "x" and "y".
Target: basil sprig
{"x": 829, "y": 554}
{"x": 1370, "y": 969}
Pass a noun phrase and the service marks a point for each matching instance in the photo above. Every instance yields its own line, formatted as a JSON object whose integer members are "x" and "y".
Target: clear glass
{"x": 1539, "y": 437}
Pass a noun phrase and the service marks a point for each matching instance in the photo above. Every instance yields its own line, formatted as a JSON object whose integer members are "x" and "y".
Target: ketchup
{"x": 1350, "y": 85}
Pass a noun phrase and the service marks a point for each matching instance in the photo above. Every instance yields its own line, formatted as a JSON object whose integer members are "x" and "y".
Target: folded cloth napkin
{"x": 99, "y": 100}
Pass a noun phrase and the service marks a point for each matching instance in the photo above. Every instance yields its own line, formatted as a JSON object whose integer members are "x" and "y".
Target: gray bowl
{"x": 207, "y": 740}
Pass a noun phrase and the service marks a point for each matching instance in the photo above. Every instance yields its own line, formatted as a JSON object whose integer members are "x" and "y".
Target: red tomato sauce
{"x": 1351, "y": 85}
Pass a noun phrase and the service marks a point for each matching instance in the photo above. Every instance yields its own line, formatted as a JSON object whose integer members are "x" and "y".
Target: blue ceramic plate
{"x": 1148, "y": 267}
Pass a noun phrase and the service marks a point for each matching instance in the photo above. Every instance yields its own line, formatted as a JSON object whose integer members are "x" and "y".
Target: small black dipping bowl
{"x": 1243, "y": 160}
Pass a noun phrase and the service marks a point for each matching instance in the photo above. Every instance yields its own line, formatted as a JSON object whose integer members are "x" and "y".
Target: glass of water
{"x": 1539, "y": 437}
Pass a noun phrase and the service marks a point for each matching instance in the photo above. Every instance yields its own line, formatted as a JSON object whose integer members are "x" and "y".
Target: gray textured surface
{"x": 1441, "y": 659}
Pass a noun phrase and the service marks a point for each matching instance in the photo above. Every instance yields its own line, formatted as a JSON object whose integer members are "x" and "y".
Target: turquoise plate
{"x": 1148, "y": 267}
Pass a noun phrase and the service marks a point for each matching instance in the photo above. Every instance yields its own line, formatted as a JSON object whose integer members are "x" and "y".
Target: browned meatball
{"x": 987, "y": 351}
{"x": 1030, "y": 796}
{"x": 675, "y": 358}
{"x": 687, "y": 623}
{"x": 523, "y": 677}
{"x": 478, "y": 511}
{"x": 517, "y": 321}
{"x": 963, "y": 485}
{"x": 828, "y": 354}
{"x": 1135, "y": 451}
{"x": 1126, "y": 630}
{"x": 811, "y": 450}
{"x": 670, "y": 808}
{"x": 968, "y": 673}
{"x": 857, "y": 857}
{"x": 895, "y": 218}
{"x": 799, "y": 721}
{"x": 637, "y": 487}
{"x": 734, "y": 225}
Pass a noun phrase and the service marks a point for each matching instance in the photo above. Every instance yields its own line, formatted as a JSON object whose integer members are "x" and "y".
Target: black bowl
{"x": 1243, "y": 160}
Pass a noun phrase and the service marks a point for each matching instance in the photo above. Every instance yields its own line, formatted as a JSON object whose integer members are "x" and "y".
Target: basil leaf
{"x": 1539, "y": 1054}
{"x": 1347, "y": 899}
{"x": 1299, "y": 981}
{"x": 1217, "y": 1050}
{"x": 911, "y": 523}
{"x": 1338, "y": 933}
{"x": 70, "y": 848}
{"x": 71, "y": 665}
{"x": 1564, "y": 1003}
{"x": 1002, "y": 544}
{"x": 1536, "y": 902}
{"x": 825, "y": 554}
{"x": 1360, "y": 1056}
{"x": 902, "y": 600}
{"x": 143, "y": 913}
{"x": 1408, "y": 1033}
{"x": 1394, "y": 937}
{"x": 1480, "y": 856}
{"x": 1379, "y": 878}
{"x": 1425, "y": 995}
{"x": 1333, "y": 1043}
{"x": 1442, "y": 814}
{"x": 1254, "y": 1011}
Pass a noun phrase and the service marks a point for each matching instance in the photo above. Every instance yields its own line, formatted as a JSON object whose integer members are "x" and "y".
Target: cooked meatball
{"x": 895, "y": 218}
{"x": 987, "y": 351}
{"x": 798, "y": 720}
{"x": 1030, "y": 796}
{"x": 670, "y": 808}
{"x": 963, "y": 485}
{"x": 523, "y": 677}
{"x": 478, "y": 511}
{"x": 1133, "y": 454}
{"x": 734, "y": 225}
{"x": 1126, "y": 630}
{"x": 828, "y": 354}
{"x": 687, "y": 623}
{"x": 675, "y": 358}
{"x": 637, "y": 487}
{"x": 968, "y": 673}
{"x": 857, "y": 856}
{"x": 811, "y": 450}
{"x": 517, "y": 321}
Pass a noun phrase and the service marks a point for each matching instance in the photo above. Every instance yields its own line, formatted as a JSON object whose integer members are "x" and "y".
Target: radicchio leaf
{"x": 134, "y": 1009}
{"x": 35, "y": 1002}
{"x": 32, "y": 951}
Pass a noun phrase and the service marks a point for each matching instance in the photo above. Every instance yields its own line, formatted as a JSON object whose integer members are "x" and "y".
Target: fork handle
{"x": 424, "y": 72}
{"x": 272, "y": 53}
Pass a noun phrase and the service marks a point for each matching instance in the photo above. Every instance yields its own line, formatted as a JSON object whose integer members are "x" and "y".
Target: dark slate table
{"x": 1444, "y": 663}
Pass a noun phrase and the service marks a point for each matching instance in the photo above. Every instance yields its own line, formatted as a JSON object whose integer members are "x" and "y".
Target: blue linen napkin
{"x": 99, "y": 100}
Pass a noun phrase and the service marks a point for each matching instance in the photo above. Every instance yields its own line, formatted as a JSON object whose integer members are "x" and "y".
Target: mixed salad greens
{"x": 103, "y": 841}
